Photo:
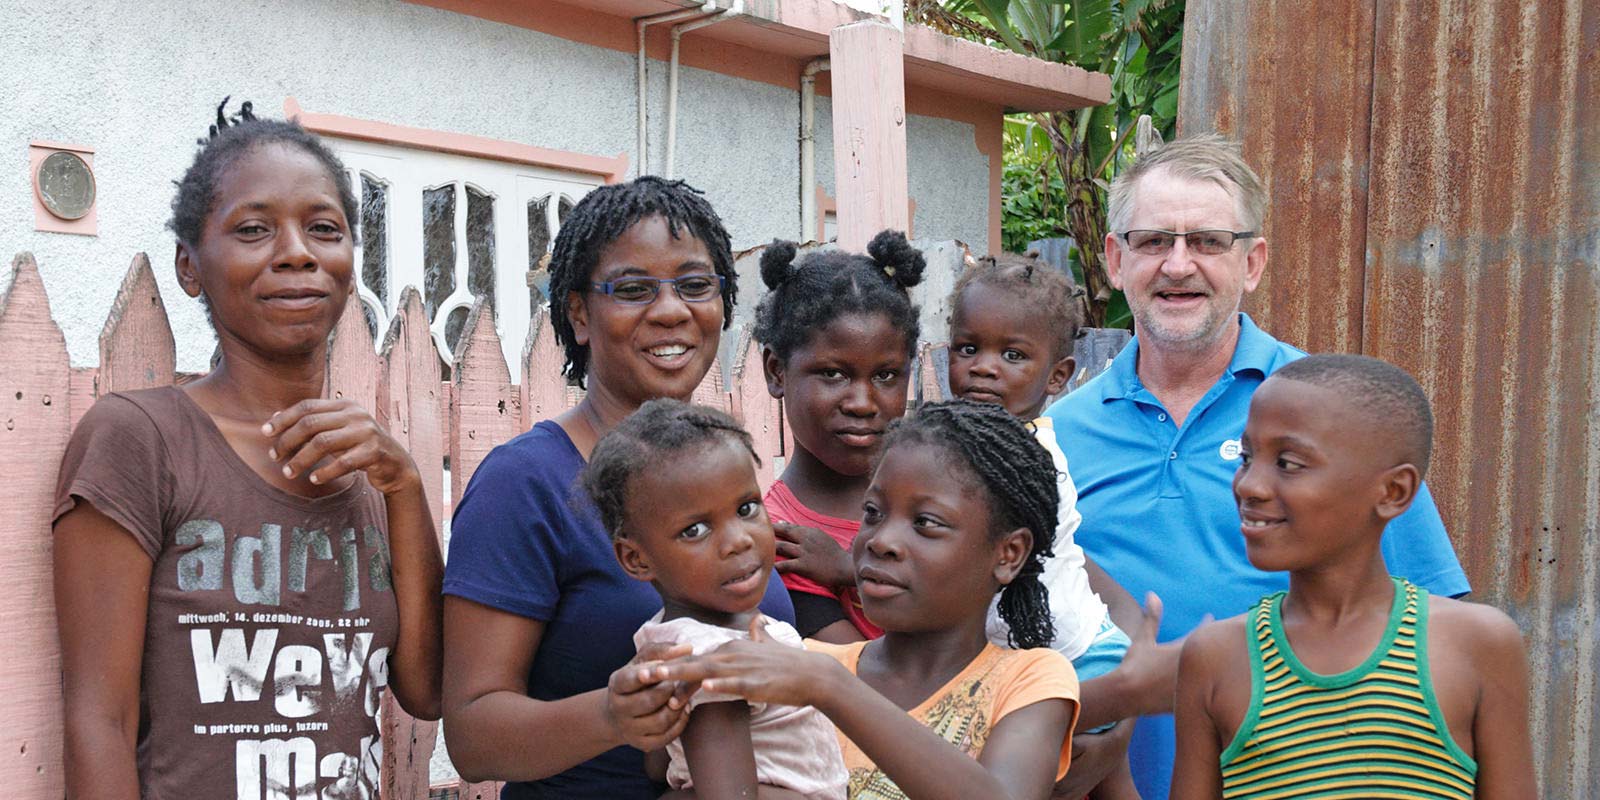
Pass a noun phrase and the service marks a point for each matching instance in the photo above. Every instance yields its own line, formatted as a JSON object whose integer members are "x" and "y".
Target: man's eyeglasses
{"x": 1206, "y": 243}
{"x": 642, "y": 291}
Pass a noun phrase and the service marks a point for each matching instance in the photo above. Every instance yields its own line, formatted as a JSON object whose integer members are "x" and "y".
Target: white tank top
{"x": 1075, "y": 608}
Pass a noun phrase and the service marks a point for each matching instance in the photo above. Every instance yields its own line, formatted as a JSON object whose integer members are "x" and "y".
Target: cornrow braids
{"x": 804, "y": 297}
{"x": 600, "y": 218}
{"x": 232, "y": 137}
{"x": 1020, "y": 478}
{"x": 659, "y": 428}
{"x": 1036, "y": 284}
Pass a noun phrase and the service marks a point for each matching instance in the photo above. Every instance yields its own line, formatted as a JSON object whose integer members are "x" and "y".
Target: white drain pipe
{"x": 808, "y": 148}
{"x": 672, "y": 74}
{"x": 639, "y": 25}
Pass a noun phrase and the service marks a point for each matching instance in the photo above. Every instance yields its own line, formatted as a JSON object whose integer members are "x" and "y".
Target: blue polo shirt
{"x": 1159, "y": 514}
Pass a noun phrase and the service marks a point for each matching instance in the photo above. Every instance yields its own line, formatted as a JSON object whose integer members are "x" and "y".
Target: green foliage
{"x": 1033, "y": 197}
{"x": 1058, "y": 165}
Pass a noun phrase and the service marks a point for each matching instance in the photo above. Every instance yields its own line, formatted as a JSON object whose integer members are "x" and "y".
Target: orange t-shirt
{"x": 964, "y": 710}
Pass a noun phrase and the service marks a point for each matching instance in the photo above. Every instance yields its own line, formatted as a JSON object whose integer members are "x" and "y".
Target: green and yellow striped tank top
{"x": 1374, "y": 732}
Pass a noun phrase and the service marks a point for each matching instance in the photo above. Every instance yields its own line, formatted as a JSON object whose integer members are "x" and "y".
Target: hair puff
{"x": 776, "y": 262}
{"x": 824, "y": 284}
{"x": 900, "y": 261}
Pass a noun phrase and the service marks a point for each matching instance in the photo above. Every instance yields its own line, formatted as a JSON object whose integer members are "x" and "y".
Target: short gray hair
{"x": 1209, "y": 157}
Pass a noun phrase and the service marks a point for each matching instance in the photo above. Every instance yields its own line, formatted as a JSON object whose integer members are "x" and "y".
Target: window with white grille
{"x": 458, "y": 228}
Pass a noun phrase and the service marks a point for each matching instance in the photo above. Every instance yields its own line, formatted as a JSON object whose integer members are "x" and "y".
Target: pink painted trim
{"x": 772, "y": 41}
{"x": 59, "y": 146}
{"x": 612, "y": 170}
{"x": 43, "y": 220}
{"x": 1025, "y": 83}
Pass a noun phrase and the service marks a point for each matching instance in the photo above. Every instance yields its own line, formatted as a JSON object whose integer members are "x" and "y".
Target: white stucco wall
{"x": 948, "y": 177}
{"x": 136, "y": 81}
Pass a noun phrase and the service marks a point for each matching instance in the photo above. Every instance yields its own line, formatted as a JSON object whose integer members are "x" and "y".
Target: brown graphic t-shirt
{"x": 271, "y": 616}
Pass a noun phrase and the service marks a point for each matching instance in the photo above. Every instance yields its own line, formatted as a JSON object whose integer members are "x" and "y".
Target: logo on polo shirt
{"x": 1229, "y": 450}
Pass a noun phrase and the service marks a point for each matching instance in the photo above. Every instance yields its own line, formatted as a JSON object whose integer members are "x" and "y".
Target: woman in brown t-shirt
{"x": 240, "y": 564}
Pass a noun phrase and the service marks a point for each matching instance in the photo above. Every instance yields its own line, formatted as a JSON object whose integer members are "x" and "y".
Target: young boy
{"x": 1013, "y": 320}
{"x": 1361, "y": 685}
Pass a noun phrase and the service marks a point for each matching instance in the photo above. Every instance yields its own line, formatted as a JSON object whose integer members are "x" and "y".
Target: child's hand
{"x": 333, "y": 438}
{"x": 759, "y": 670}
{"x": 810, "y": 553}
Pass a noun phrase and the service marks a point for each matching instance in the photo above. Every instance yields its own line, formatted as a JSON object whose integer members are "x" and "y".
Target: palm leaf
{"x": 994, "y": 11}
{"x": 1089, "y": 24}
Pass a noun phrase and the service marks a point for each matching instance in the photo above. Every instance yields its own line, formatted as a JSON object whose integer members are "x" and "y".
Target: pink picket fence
{"x": 400, "y": 382}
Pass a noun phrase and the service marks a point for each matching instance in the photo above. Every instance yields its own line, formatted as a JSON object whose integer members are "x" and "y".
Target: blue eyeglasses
{"x": 642, "y": 291}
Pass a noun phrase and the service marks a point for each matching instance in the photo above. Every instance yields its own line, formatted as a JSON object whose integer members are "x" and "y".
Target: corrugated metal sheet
{"x": 1310, "y": 64}
{"x": 1457, "y": 146}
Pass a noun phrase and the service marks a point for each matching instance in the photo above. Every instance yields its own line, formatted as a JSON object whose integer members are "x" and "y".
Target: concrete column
{"x": 869, "y": 130}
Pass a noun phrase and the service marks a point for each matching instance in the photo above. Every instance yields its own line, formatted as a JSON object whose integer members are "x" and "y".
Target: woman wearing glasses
{"x": 539, "y": 617}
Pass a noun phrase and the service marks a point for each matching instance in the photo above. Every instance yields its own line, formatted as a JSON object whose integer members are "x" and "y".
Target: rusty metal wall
{"x": 1310, "y": 64}
{"x": 1434, "y": 170}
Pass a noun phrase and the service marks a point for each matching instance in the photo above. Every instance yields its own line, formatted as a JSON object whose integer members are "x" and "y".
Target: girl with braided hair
{"x": 838, "y": 331}
{"x": 538, "y": 614}
{"x": 1012, "y": 324}
{"x": 243, "y": 565}
{"x": 698, "y": 533}
{"x": 961, "y": 506}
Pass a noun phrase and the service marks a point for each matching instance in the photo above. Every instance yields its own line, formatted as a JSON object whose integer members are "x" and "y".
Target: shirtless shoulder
{"x": 1467, "y": 642}
{"x": 1219, "y": 655}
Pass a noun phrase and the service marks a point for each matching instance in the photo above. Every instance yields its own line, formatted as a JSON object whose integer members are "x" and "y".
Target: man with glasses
{"x": 1152, "y": 443}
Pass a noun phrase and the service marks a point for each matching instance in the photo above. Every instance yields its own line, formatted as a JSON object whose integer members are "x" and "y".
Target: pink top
{"x": 796, "y": 748}
{"x": 783, "y": 506}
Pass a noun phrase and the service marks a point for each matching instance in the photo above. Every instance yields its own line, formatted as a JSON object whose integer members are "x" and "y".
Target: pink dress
{"x": 796, "y": 748}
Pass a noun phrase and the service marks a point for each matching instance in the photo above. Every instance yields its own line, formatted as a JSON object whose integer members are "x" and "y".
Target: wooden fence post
{"x": 35, "y": 422}
{"x": 483, "y": 411}
{"x": 136, "y": 345}
{"x": 759, "y": 412}
{"x": 711, "y": 391}
{"x": 933, "y": 361}
{"x": 352, "y": 364}
{"x": 408, "y": 407}
{"x": 543, "y": 390}
{"x": 483, "y": 414}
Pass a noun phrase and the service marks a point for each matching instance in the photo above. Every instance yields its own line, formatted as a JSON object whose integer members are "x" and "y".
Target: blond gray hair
{"x": 1210, "y": 158}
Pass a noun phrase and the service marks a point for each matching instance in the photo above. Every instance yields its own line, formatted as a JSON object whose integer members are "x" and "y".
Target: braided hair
{"x": 1020, "y": 479}
{"x": 1035, "y": 284}
{"x": 803, "y": 298}
{"x": 602, "y": 217}
{"x": 232, "y": 137}
{"x": 659, "y": 428}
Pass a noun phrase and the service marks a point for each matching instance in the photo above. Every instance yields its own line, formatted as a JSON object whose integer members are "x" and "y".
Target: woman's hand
{"x": 328, "y": 439}
{"x": 1151, "y": 669}
{"x": 332, "y": 438}
{"x": 810, "y": 553}
{"x": 760, "y": 670}
{"x": 644, "y": 709}
{"x": 1095, "y": 756}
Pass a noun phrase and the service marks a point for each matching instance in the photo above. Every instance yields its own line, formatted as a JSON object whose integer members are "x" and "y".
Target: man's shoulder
{"x": 1271, "y": 353}
{"x": 1077, "y": 406}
